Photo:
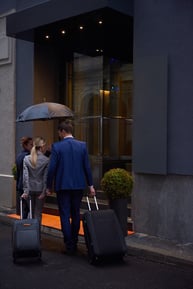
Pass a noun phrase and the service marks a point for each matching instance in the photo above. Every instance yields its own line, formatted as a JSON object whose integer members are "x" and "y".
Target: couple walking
{"x": 67, "y": 172}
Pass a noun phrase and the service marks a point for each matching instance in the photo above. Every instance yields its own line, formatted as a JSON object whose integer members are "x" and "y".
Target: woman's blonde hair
{"x": 37, "y": 144}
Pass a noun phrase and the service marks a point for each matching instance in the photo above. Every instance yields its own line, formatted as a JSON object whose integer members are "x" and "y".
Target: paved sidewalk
{"x": 141, "y": 245}
{"x": 160, "y": 250}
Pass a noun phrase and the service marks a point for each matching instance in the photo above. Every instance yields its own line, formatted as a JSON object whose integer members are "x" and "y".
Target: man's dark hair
{"x": 66, "y": 125}
{"x": 25, "y": 140}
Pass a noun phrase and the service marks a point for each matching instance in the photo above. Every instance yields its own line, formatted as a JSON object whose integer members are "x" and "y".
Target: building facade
{"x": 124, "y": 68}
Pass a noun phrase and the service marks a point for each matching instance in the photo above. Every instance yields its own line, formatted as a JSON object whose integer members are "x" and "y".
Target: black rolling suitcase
{"x": 26, "y": 237}
{"x": 103, "y": 235}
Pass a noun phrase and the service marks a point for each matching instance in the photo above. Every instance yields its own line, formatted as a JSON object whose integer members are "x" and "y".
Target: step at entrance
{"x": 50, "y": 207}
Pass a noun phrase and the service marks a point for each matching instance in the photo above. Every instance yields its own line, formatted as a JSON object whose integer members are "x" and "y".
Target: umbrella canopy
{"x": 45, "y": 111}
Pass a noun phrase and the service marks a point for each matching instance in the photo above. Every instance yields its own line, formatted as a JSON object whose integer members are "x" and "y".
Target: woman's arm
{"x": 25, "y": 179}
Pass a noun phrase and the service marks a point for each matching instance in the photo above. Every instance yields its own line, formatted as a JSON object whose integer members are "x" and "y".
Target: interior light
{"x": 63, "y": 31}
{"x": 100, "y": 22}
{"x": 47, "y": 36}
{"x": 104, "y": 92}
{"x": 81, "y": 27}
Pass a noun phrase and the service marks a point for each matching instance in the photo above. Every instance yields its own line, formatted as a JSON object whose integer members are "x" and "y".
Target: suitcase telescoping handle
{"x": 88, "y": 203}
{"x": 30, "y": 208}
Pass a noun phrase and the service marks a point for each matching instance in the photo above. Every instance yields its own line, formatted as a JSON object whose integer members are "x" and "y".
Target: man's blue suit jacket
{"x": 69, "y": 167}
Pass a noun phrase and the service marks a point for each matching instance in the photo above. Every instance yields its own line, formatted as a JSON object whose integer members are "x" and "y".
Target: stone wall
{"x": 7, "y": 115}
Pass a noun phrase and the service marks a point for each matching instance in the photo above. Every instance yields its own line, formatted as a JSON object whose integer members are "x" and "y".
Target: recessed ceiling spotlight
{"x": 47, "y": 36}
{"x": 63, "y": 31}
{"x": 81, "y": 27}
{"x": 99, "y": 50}
{"x": 100, "y": 22}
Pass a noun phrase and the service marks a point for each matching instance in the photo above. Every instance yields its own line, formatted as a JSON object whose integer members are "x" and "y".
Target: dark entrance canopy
{"x": 51, "y": 18}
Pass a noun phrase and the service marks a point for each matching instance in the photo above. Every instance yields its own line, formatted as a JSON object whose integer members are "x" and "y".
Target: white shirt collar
{"x": 68, "y": 136}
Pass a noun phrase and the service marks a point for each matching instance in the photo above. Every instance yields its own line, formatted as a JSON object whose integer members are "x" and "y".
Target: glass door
{"x": 102, "y": 102}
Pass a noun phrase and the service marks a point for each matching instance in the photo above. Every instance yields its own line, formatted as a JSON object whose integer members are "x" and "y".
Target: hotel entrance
{"x": 82, "y": 63}
{"x": 86, "y": 63}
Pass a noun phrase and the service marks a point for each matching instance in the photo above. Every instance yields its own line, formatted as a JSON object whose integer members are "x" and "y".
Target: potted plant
{"x": 117, "y": 184}
{"x": 14, "y": 171}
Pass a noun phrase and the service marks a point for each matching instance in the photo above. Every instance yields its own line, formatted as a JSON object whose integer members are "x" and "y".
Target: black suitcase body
{"x": 103, "y": 235}
{"x": 26, "y": 240}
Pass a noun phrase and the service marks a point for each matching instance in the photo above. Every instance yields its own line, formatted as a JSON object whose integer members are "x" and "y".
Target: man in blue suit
{"x": 69, "y": 170}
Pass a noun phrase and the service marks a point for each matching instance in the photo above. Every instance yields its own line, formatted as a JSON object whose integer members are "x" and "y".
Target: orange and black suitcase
{"x": 26, "y": 241}
{"x": 103, "y": 235}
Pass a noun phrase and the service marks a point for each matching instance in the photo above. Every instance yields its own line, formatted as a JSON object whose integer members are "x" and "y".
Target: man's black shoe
{"x": 70, "y": 252}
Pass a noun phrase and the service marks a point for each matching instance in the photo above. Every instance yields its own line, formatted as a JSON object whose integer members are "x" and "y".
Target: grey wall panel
{"x": 24, "y": 87}
{"x": 156, "y": 34}
{"x": 180, "y": 117}
{"x": 150, "y": 115}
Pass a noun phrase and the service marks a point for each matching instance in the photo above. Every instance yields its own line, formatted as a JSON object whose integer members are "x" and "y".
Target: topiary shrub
{"x": 117, "y": 183}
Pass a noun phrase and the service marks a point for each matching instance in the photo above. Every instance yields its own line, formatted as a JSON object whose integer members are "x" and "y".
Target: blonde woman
{"x": 34, "y": 176}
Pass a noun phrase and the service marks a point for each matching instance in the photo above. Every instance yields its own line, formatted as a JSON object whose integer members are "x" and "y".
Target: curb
{"x": 138, "y": 245}
{"x": 160, "y": 250}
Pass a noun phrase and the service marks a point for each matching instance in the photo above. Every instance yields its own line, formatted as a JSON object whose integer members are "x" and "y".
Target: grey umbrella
{"x": 45, "y": 111}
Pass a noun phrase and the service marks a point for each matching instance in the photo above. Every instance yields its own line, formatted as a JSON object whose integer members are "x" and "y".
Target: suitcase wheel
{"x": 38, "y": 256}
{"x": 14, "y": 258}
{"x": 92, "y": 259}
